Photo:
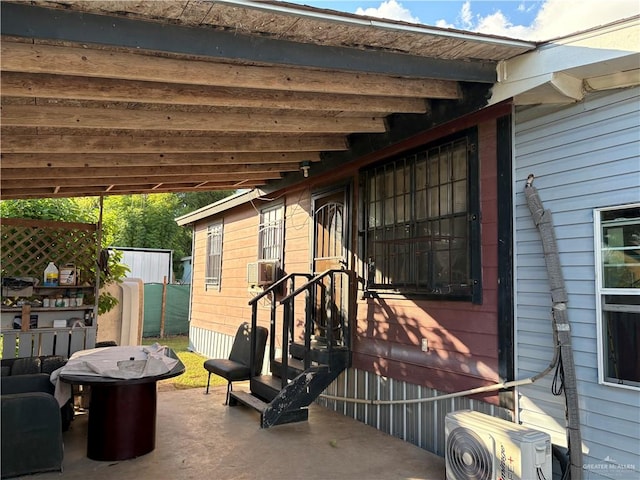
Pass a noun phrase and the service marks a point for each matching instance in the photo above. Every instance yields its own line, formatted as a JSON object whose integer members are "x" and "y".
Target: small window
{"x": 421, "y": 221}
{"x": 270, "y": 233}
{"x": 617, "y": 235}
{"x": 214, "y": 255}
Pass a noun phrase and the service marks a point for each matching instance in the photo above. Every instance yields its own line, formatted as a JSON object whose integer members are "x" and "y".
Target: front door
{"x": 329, "y": 253}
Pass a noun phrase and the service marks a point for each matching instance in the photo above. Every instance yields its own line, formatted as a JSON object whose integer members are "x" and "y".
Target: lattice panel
{"x": 29, "y": 245}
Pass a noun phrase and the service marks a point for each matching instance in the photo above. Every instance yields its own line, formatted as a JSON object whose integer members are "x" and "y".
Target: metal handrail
{"x": 288, "y": 315}
{"x": 272, "y": 322}
{"x": 287, "y": 301}
{"x": 273, "y": 286}
{"x": 311, "y": 282}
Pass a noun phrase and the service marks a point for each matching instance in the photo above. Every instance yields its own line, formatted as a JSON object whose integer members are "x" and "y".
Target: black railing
{"x": 322, "y": 305}
{"x": 272, "y": 292}
{"x": 334, "y": 312}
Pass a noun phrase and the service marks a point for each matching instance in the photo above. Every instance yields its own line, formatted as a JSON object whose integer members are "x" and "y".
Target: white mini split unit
{"x": 482, "y": 447}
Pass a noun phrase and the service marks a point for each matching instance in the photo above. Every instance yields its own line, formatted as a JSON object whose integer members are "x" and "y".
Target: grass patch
{"x": 195, "y": 376}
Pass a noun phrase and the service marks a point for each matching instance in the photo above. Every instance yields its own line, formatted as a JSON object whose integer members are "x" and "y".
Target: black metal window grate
{"x": 420, "y": 220}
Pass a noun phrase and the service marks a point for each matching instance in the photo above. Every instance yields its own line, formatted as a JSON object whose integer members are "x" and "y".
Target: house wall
{"x": 583, "y": 156}
{"x": 216, "y": 313}
{"x": 388, "y": 360}
{"x": 462, "y": 337}
{"x": 223, "y": 309}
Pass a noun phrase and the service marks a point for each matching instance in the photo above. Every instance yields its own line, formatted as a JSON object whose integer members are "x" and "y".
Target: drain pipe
{"x": 562, "y": 329}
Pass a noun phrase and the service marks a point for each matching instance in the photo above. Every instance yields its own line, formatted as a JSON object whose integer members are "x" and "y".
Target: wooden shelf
{"x": 48, "y": 309}
{"x": 45, "y": 329}
{"x": 62, "y": 287}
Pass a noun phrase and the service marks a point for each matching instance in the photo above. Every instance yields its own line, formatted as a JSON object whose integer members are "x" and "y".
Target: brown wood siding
{"x": 298, "y": 230}
{"x": 462, "y": 337}
{"x": 225, "y": 308}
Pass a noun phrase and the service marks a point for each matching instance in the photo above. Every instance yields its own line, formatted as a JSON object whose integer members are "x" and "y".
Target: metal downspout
{"x": 544, "y": 223}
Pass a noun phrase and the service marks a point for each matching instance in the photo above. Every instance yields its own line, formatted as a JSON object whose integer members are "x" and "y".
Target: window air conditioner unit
{"x": 482, "y": 447}
{"x": 262, "y": 272}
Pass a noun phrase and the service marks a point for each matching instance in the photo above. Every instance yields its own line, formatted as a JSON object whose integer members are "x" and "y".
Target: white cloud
{"x": 466, "y": 17}
{"x": 555, "y": 18}
{"x": 391, "y": 10}
{"x": 561, "y": 17}
{"x": 444, "y": 24}
{"x": 498, "y": 24}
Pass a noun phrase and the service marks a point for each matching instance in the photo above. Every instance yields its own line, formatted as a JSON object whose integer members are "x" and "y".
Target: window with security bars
{"x": 270, "y": 234}
{"x": 214, "y": 255}
{"x": 421, "y": 221}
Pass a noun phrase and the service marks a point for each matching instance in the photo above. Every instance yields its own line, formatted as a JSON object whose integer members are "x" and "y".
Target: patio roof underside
{"x": 103, "y": 98}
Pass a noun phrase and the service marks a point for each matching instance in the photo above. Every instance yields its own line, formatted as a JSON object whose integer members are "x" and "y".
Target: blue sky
{"x": 522, "y": 19}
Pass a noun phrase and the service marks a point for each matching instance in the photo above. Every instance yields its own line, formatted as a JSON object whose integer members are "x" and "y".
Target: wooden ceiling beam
{"x": 81, "y": 61}
{"x": 15, "y": 84}
{"x": 107, "y": 119}
{"x": 114, "y": 160}
{"x": 187, "y": 177}
{"x": 134, "y": 144}
{"x": 212, "y": 30}
{"x": 187, "y": 187}
{"x": 19, "y": 193}
{"x": 111, "y": 172}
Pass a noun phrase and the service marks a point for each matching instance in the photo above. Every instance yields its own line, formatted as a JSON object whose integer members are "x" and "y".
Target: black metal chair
{"x": 238, "y": 366}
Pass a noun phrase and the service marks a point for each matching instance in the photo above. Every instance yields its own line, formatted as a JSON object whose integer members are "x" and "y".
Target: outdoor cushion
{"x": 31, "y": 435}
{"x": 25, "y": 366}
{"x": 233, "y": 371}
{"x": 52, "y": 363}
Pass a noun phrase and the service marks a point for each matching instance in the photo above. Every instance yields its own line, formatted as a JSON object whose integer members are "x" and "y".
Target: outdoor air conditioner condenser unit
{"x": 482, "y": 447}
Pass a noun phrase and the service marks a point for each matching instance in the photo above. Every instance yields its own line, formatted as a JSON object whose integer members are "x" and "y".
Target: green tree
{"x": 58, "y": 209}
{"x": 138, "y": 221}
{"x": 194, "y": 200}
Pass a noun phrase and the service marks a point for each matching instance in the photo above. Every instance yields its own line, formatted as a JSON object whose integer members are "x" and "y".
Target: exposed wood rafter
{"x": 126, "y": 97}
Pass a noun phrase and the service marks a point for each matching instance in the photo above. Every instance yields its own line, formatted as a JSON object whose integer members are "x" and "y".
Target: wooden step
{"x": 247, "y": 399}
{"x": 340, "y": 356}
{"x": 268, "y": 416}
{"x": 294, "y": 365}
{"x": 266, "y": 386}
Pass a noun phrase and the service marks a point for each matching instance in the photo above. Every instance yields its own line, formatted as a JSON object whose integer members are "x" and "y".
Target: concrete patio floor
{"x": 198, "y": 437}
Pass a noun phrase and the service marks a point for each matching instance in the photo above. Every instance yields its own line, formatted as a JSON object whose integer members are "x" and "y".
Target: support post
{"x": 164, "y": 306}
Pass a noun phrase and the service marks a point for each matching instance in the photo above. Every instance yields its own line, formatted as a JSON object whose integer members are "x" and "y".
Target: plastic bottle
{"x": 51, "y": 275}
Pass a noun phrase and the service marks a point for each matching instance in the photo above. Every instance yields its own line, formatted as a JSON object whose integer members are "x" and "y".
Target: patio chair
{"x": 238, "y": 366}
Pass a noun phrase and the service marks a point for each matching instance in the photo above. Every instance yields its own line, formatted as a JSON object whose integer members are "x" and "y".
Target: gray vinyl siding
{"x": 583, "y": 156}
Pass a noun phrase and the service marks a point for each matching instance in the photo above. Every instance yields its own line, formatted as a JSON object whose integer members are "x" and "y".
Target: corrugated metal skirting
{"x": 421, "y": 424}
{"x": 208, "y": 343}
